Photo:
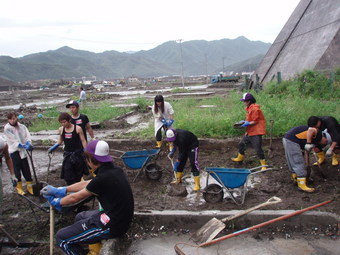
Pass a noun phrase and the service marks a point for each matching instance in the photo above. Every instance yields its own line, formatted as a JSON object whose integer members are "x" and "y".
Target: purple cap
{"x": 170, "y": 135}
{"x": 247, "y": 97}
{"x": 100, "y": 150}
{"x": 72, "y": 102}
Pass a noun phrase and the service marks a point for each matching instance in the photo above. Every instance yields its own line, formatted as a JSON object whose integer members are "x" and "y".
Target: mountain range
{"x": 199, "y": 57}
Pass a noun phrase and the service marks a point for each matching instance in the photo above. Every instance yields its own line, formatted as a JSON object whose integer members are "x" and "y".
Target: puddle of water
{"x": 49, "y": 102}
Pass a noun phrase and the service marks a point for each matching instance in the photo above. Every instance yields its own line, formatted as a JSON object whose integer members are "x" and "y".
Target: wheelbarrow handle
{"x": 270, "y": 201}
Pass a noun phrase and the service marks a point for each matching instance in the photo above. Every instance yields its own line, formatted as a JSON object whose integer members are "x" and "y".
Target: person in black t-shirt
{"x": 112, "y": 189}
{"x": 74, "y": 165}
{"x": 187, "y": 144}
{"x": 80, "y": 119}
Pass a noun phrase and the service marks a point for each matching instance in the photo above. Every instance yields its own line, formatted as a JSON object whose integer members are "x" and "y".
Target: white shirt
{"x": 16, "y": 135}
{"x": 82, "y": 95}
{"x": 168, "y": 110}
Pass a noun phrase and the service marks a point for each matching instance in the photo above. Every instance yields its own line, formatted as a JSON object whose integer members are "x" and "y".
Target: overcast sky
{"x": 30, "y": 26}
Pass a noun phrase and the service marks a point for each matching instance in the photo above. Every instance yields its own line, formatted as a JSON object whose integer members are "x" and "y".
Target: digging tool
{"x": 50, "y": 155}
{"x": 264, "y": 224}
{"x": 37, "y": 186}
{"x": 308, "y": 167}
{"x": 8, "y": 235}
{"x": 319, "y": 166}
{"x": 214, "y": 226}
{"x": 51, "y": 229}
{"x": 270, "y": 151}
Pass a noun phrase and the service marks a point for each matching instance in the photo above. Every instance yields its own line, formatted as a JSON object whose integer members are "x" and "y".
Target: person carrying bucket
{"x": 187, "y": 145}
{"x": 19, "y": 140}
{"x": 164, "y": 118}
{"x": 255, "y": 125}
{"x": 4, "y": 153}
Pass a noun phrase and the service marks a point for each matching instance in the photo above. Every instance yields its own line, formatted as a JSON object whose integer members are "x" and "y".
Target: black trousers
{"x": 255, "y": 141}
{"x": 192, "y": 154}
{"x": 21, "y": 166}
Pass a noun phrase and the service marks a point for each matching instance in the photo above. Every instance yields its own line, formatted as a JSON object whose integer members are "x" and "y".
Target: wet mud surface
{"x": 29, "y": 226}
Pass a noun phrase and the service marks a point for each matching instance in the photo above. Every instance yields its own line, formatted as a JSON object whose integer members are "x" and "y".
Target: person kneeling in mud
{"x": 74, "y": 165}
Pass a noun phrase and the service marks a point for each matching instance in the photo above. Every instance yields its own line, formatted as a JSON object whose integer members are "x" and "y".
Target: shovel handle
{"x": 270, "y": 201}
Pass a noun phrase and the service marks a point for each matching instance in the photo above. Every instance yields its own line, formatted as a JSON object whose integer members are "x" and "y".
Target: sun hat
{"x": 100, "y": 150}
{"x": 72, "y": 102}
{"x": 247, "y": 97}
{"x": 170, "y": 135}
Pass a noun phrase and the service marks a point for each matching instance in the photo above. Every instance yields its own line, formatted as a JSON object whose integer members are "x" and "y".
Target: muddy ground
{"x": 29, "y": 227}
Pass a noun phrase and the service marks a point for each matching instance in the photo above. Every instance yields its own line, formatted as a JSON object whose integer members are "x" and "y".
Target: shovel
{"x": 214, "y": 226}
{"x": 270, "y": 151}
{"x": 37, "y": 186}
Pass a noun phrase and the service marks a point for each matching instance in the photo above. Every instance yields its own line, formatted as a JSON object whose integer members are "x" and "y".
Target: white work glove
{"x": 309, "y": 146}
{"x": 329, "y": 152}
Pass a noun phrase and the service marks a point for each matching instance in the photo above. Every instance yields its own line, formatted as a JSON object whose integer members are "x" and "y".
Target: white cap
{"x": 2, "y": 143}
{"x": 170, "y": 135}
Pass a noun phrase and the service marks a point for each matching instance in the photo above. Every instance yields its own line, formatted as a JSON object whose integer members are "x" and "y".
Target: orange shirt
{"x": 254, "y": 113}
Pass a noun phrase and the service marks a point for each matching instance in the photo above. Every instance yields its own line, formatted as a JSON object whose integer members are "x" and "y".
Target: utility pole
{"x": 206, "y": 67}
{"x": 180, "y": 45}
{"x": 223, "y": 64}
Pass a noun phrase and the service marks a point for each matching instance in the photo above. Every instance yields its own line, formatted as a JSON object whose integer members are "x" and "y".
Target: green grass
{"x": 289, "y": 104}
{"x": 101, "y": 112}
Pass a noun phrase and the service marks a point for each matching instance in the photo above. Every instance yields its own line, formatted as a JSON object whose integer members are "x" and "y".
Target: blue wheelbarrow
{"x": 145, "y": 159}
{"x": 231, "y": 180}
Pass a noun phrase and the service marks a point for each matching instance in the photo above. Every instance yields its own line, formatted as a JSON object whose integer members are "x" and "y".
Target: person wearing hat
{"x": 294, "y": 142}
{"x": 163, "y": 114}
{"x": 112, "y": 189}
{"x": 255, "y": 125}
{"x": 19, "y": 140}
{"x": 331, "y": 126}
{"x": 80, "y": 119}
{"x": 4, "y": 153}
{"x": 74, "y": 165}
{"x": 187, "y": 145}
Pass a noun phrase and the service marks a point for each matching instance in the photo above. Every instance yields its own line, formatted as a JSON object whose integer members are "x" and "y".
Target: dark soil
{"x": 27, "y": 226}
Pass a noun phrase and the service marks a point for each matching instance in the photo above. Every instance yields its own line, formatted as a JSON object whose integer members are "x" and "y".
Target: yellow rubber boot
{"x": 321, "y": 158}
{"x": 240, "y": 158}
{"x": 94, "y": 249}
{"x": 159, "y": 144}
{"x": 335, "y": 161}
{"x": 178, "y": 178}
{"x": 294, "y": 177}
{"x": 29, "y": 187}
{"x": 19, "y": 189}
{"x": 171, "y": 146}
{"x": 263, "y": 163}
{"x": 303, "y": 186}
{"x": 197, "y": 186}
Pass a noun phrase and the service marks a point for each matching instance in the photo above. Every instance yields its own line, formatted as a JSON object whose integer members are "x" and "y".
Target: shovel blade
{"x": 208, "y": 231}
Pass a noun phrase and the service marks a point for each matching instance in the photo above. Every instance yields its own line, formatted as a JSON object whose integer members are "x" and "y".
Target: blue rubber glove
{"x": 29, "y": 146}
{"x": 49, "y": 190}
{"x": 164, "y": 122}
{"x": 50, "y": 150}
{"x": 176, "y": 165}
{"x": 22, "y": 146}
{"x": 170, "y": 122}
{"x": 172, "y": 152}
{"x": 54, "y": 201}
{"x": 245, "y": 124}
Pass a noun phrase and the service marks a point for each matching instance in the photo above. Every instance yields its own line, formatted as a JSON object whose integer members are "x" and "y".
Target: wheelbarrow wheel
{"x": 213, "y": 193}
{"x": 153, "y": 172}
